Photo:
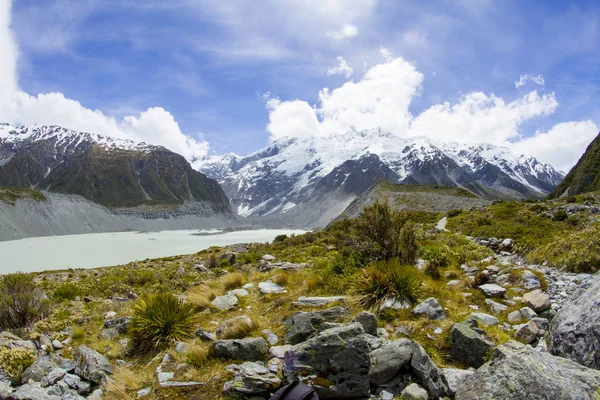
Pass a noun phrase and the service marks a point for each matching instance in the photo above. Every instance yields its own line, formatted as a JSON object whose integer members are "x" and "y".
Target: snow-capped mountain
{"x": 106, "y": 170}
{"x": 299, "y": 174}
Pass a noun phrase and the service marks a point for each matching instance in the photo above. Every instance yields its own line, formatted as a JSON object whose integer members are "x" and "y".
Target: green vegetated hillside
{"x": 427, "y": 198}
{"x": 369, "y": 260}
{"x": 10, "y": 195}
{"x": 584, "y": 176}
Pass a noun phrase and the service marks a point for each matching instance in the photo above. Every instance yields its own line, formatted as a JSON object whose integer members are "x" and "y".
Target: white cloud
{"x": 382, "y": 98}
{"x": 538, "y": 79}
{"x": 342, "y": 69}
{"x": 348, "y": 31}
{"x": 153, "y": 126}
{"x": 562, "y": 145}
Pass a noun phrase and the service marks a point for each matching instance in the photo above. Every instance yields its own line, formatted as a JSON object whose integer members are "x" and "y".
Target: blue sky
{"x": 209, "y": 63}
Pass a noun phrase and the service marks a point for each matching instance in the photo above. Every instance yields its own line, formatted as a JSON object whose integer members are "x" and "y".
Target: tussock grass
{"x": 234, "y": 280}
{"x": 125, "y": 382}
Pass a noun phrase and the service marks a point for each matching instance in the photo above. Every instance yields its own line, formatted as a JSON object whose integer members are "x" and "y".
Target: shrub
{"x": 560, "y": 215}
{"x": 348, "y": 262}
{"x": 77, "y": 333}
{"x": 437, "y": 255}
{"x": 15, "y": 361}
{"x": 21, "y": 301}
{"x": 408, "y": 244}
{"x": 280, "y": 238}
{"x": 454, "y": 213}
{"x": 211, "y": 262}
{"x": 67, "y": 291}
{"x": 161, "y": 319}
{"x": 379, "y": 227}
{"x": 387, "y": 281}
{"x": 224, "y": 264}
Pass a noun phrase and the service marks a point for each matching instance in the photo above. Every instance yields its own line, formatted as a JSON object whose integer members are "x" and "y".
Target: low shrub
{"x": 21, "y": 301}
{"x": 438, "y": 255}
{"x": 14, "y": 361}
{"x": 454, "y": 213}
{"x": 560, "y": 215}
{"x": 66, "y": 291}
{"x": 159, "y": 320}
{"x": 387, "y": 281}
{"x": 280, "y": 238}
{"x": 408, "y": 244}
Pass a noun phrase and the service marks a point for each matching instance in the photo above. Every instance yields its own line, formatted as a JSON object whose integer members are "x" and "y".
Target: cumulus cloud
{"x": 538, "y": 79}
{"x": 348, "y": 31}
{"x": 154, "y": 126}
{"x": 342, "y": 69}
{"x": 382, "y": 99}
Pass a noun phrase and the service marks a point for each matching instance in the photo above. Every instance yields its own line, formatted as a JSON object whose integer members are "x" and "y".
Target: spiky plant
{"x": 161, "y": 319}
{"x": 387, "y": 281}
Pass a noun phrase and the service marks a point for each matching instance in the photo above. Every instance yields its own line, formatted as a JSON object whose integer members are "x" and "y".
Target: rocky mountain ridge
{"x": 291, "y": 175}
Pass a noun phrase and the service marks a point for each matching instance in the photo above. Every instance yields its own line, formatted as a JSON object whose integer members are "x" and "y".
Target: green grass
{"x": 11, "y": 195}
{"x": 386, "y": 186}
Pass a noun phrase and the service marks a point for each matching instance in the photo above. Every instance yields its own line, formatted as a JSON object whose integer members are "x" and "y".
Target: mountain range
{"x": 108, "y": 171}
{"x": 291, "y": 178}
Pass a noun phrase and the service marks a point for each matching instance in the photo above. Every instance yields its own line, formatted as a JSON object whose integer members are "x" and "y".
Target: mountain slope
{"x": 295, "y": 174}
{"x": 584, "y": 176}
{"x": 108, "y": 171}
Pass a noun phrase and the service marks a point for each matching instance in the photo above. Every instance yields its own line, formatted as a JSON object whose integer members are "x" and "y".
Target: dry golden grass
{"x": 238, "y": 329}
{"x": 125, "y": 382}
{"x": 197, "y": 355}
{"x": 281, "y": 278}
{"x": 234, "y": 280}
{"x": 202, "y": 295}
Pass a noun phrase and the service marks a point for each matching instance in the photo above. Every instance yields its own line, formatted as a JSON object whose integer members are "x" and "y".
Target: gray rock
{"x": 388, "y": 360}
{"x": 279, "y": 351}
{"x": 38, "y": 370}
{"x": 368, "y": 321}
{"x": 374, "y": 342}
{"x": 484, "y": 319}
{"x": 302, "y": 325}
{"x": 6, "y": 390}
{"x": 55, "y": 375}
{"x": 250, "y": 379}
{"x": 33, "y": 392}
{"x": 83, "y": 388}
{"x": 143, "y": 392}
{"x": 537, "y": 300}
{"x": 454, "y": 378}
{"x": 96, "y": 395}
{"x": 177, "y": 384}
{"x": 542, "y": 323}
{"x": 575, "y": 330}
{"x": 268, "y": 287}
{"x": 181, "y": 347}
{"x": 120, "y": 324}
{"x": 318, "y": 301}
{"x": 514, "y": 317}
{"x": 249, "y": 349}
{"x": 430, "y": 308}
{"x": 239, "y": 292}
{"x": 337, "y": 357}
{"x": 91, "y": 365}
{"x": 268, "y": 257}
{"x": 205, "y": 336}
{"x": 165, "y": 376}
{"x": 469, "y": 343}
{"x": 495, "y": 307}
{"x": 414, "y": 392}
{"x": 109, "y": 334}
{"x": 228, "y": 327}
{"x": 528, "y": 313}
{"x": 71, "y": 380}
{"x": 492, "y": 290}
{"x": 19, "y": 344}
{"x": 530, "y": 280}
{"x": 428, "y": 373}
{"x": 226, "y": 302}
{"x": 518, "y": 372}
{"x": 270, "y": 336}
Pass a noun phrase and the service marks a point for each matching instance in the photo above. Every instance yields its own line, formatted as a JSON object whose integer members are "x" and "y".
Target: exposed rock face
{"x": 38, "y": 370}
{"x": 302, "y": 325}
{"x": 337, "y": 358}
{"x": 469, "y": 343}
{"x": 249, "y": 349}
{"x": 430, "y": 308}
{"x": 428, "y": 373}
{"x": 575, "y": 330}
{"x": 388, "y": 360}
{"x": 454, "y": 378}
{"x": 518, "y": 372}
{"x": 91, "y": 365}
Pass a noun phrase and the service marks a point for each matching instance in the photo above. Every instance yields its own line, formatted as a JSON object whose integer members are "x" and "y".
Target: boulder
{"x": 388, "y": 360}
{"x": 91, "y": 365}
{"x": 414, "y": 392}
{"x": 272, "y": 338}
{"x": 430, "y": 308}
{"x": 537, "y": 300}
{"x": 484, "y": 319}
{"x": 492, "y": 290}
{"x": 317, "y": 301}
{"x": 33, "y": 392}
{"x": 518, "y": 372}
{"x": 575, "y": 330}
{"x": 495, "y": 307}
{"x": 430, "y": 376}
{"x": 279, "y": 351}
{"x": 514, "y": 317}
{"x": 528, "y": 313}
{"x": 368, "y": 321}
{"x": 454, "y": 378}
{"x": 527, "y": 333}
{"x": 120, "y": 324}
{"x": 530, "y": 280}
{"x": 109, "y": 334}
{"x": 250, "y": 378}
{"x": 226, "y": 302}
{"x": 469, "y": 343}
{"x": 335, "y": 362}
{"x": 268, "y": 287}
{"x": 38, "y": 370}
{"x": 239, "y": 292}
{"x": 302, "y": 325}
{"x": 205, "y": 335}
{"x": 249, "y": 349}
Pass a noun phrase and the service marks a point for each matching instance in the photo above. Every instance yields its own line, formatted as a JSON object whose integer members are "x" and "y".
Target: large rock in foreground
{"x": 575, "y": 330}
{"x": 91, "y": 365}
{"x": 469, "y": 343}
{"x": 337, "y": 359}
{"x": 518, "y": 372}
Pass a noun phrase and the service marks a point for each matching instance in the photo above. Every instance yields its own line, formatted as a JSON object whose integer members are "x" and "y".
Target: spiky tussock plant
{"x": 387, "y": 281}
{"x": 161, "y": 319}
